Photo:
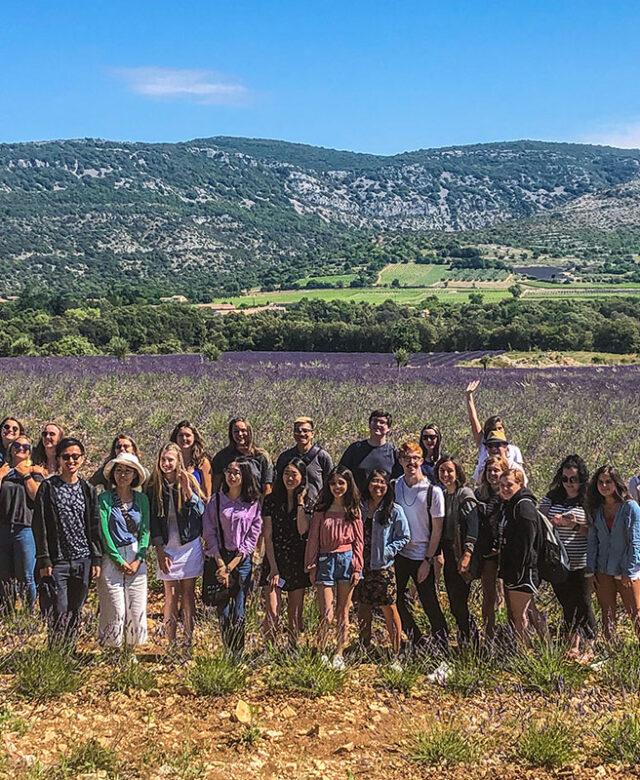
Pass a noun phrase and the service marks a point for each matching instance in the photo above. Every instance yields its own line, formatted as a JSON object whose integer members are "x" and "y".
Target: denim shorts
{"x": 334, "y": 567}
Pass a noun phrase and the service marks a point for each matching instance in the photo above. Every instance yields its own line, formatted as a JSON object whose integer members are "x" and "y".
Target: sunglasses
{"x": 570, "y": 480}
{"x": 70, "y": 456}
{"x": 10, "y": 428}
{"x": 429, "y": 436}
{"x": 302, "y": 430}
{"x": 17, "y": 447}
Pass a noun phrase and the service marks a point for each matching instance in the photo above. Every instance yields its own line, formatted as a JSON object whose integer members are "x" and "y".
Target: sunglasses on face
{"x": 429, "y": 436}
{"x": 570, "y": 480}
{"x": 10, "y": 428}
{"x": 302, "y": 430}
{"x": 67, "y": 456}
{"x": 17, "y": 447}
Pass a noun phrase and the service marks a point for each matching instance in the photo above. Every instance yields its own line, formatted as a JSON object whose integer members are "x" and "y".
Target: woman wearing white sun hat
{"x": 124, "y": 530}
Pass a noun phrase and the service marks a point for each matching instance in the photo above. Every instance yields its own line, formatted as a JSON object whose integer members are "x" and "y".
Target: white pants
{"x": 123, "y": 602}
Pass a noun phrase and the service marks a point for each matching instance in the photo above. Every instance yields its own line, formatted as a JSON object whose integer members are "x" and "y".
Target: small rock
{"x": 346, "y": 748}
{"x": 224, "y": 715}
{"x": 184, "y": 690}
{"x": 288, "y": 712}
{"x": 242, "y": 713}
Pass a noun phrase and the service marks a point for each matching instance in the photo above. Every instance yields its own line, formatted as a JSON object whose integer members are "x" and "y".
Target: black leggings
{"x": 574, "y": 595}
{"x": 458, "y": 592}
{"x": 406, "y": 569}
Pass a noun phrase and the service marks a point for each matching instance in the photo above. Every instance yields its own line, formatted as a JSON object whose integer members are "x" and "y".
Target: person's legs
{"x": 431, "y": 605}
{"x": 325, "y": 607}
{"x": 295, "y": 603}
{"x": 239, "y": 592}
{"x": 77, "y": 590}
{"x": 405, "y": 569}
{"x": 458, "y": 592}
{"x": 606, "y": 593}
{"x": 135, "y": 592}
{"x": 272, "y": 607}
{"x": 394, "y": 625}
{"x": 111, "y": 598}
{"x": 188, "y": 607}
{"x": 489, "y": 595}
{"x": 171, "y": 594}
{"x": 630, "y": 595}
{"x": 518, "y": 604}
{"x": 58, "y": 613}
{"x": 24, "y": 557}
{"x": 365, "y": 616}
{"x": 345, "y": 591}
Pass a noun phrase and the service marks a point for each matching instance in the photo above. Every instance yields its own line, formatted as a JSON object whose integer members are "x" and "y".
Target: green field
{"x": 346, "y": 279}
{"x": 414, "y": 275}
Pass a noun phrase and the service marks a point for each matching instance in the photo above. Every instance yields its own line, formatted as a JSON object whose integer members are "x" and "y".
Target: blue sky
{"x": 367, "y": 76}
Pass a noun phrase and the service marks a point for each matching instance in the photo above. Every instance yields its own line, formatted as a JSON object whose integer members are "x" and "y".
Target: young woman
{"x": 564, "y": 505}
{"x": 176, "y": 509}
{"x": 489, "y": 511}
{"x": 386, "y": 532}
{"x": 430, "y": 444}
{"x": 285, "y": 516}
{"x": 44, "y": 453}
{"x": 68, "y": 548}
{"x": 519, "y": 546}
{"x": 124, "y": 530}
{"x": 334, "y": 554}
{"x": 19, "y": 482}
{"x": 242, "y": 445}
{"x": 613, "y": 548}
{"x": 187, "y": 437}
{"x": 481, "y": 433}
{"x": 459, "y": 535}
{"x": 10, "y": 429}
{"x": 232, "y": 525}
{"x": 121, "y": 443}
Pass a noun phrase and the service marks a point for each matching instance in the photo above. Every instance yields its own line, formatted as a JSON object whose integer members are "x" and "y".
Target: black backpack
{"x": 553, "y": 561}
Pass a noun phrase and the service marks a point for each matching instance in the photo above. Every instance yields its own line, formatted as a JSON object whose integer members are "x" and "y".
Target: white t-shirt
{"x": 514, "y": 456}
{"x": 414, "y": 502}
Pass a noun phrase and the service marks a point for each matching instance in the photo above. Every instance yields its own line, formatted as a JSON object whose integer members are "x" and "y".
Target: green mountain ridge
{"x": 224, "y": 212}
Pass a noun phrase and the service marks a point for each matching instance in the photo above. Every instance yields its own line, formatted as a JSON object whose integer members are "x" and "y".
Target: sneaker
{"x": 324, "y": 659}
{"x": 395, "y": 666}
{"x": 441, "y": 674}
{"x": 338, "y": 663}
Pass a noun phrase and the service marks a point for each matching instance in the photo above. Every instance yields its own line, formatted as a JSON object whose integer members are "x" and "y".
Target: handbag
{"x": 214, "y": 592}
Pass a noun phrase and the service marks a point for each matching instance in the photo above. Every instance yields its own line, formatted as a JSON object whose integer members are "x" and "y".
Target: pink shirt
{"x": 331, "y": 532}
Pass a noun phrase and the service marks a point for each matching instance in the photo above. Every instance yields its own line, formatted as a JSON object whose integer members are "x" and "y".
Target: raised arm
{"x": 476, "y": 428}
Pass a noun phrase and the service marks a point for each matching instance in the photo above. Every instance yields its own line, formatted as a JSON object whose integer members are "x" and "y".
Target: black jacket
{"x": 46, "y": 523}
{"x": 189, "y": 517}
{"x": 520, "y": 538}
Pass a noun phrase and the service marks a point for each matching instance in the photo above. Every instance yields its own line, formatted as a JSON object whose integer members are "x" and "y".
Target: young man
{"x": 423, "y": 504}
{"x": 317, "y": 460}
{"x": 376, "y": 452}
{"x": 68, "y": 547}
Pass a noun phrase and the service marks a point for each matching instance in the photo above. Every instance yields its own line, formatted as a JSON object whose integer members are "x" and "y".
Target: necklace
{"x": 404, "y": 500}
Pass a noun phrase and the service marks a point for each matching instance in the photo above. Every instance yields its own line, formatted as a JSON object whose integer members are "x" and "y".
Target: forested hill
{"x": 93, "y": 214}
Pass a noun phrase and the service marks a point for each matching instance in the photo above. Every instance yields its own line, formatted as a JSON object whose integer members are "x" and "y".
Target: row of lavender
{"x": 548, "y": 412}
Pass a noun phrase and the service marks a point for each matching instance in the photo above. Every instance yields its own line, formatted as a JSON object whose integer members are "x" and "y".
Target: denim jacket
{"x": 189, "y": 517}
{"x": 387, "y": 540}
{"x": 615, "y": 552}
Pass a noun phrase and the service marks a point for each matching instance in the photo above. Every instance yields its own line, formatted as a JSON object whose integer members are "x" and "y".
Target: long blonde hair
{"x": 10, "y": 448}
{"x": 156, "y": 480}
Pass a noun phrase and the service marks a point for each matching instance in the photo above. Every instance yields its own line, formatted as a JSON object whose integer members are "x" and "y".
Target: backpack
{"x": 553, "y": 561}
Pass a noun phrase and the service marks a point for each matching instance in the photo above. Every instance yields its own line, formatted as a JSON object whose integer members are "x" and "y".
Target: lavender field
{"x": 549, "y": 412}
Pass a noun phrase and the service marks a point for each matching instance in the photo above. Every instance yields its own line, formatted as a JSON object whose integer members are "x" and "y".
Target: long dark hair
{"x": 39, "y": 455}
{"x": 351, "y": 497}
{"x": 21, "y": 430}
{"x": 252, "y": 446}
{"x": 386, "y": 505}
{"x": 279, "y": 494}
{"x": 557, "y": 492}
{"x": 436, "y": 450}
{"x": 461, "y": 477}
{"x": 197, "y": 448}
{"x": 250, "y": 491}
{"x": 594, "y": 497}
{"x": 119, "y": 437}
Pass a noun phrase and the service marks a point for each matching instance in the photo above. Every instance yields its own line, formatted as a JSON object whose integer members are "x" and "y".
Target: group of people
{"x": 378, "y": 529}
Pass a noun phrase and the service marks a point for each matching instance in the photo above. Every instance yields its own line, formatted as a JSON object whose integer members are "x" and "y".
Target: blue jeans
{"x": 231, "y": 614}
{"x": 17, "y": 564}
{"x": 62, "y": 597}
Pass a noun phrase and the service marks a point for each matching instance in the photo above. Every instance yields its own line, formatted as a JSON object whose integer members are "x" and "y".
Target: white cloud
{"x": 198, "y": 86}
{"x": 625, "y": 136}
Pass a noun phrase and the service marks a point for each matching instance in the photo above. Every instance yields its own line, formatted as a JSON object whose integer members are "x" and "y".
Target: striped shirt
{"x": 574, "y": 541}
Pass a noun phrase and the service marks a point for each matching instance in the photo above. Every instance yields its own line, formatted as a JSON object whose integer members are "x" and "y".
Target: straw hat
{"x": 126, "y": 459}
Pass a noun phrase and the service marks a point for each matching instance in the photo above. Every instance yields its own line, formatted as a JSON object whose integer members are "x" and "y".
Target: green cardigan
{"x": 105, "y": 505}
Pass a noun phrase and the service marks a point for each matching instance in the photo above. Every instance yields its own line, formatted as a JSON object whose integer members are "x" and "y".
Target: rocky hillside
{"x": 91, "y": 212}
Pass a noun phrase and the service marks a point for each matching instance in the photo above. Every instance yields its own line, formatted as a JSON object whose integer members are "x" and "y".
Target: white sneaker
{"x": 395, "y": 666}
{"x": 324, "y": 658}
{"x": 338, "y": 663}
{"x": 441, "y": 674}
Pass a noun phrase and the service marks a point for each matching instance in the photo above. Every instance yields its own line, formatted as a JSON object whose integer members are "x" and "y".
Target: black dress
{"x": 288, "y": 546}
